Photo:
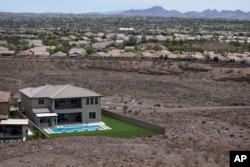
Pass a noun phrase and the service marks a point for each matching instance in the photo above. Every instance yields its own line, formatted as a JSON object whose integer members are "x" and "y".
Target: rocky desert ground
{"x": 194, "y": 137}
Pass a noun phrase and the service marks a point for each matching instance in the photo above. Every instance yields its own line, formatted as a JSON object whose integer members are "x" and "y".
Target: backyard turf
{"x": 118, "y": 129}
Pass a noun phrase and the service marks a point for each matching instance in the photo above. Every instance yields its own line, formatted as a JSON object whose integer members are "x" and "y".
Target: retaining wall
{"x": 134, "y": 121}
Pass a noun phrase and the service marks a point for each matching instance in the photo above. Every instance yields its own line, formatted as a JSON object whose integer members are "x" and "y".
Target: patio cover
{"x": 46, "y": 115}
{"x": 41, "y": 110}
{"x": 44, "y": 112}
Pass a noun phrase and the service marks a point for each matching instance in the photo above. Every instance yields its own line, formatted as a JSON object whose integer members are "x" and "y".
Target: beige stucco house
{"x": 10, "y": 128}
{"x": 51, "y": 105}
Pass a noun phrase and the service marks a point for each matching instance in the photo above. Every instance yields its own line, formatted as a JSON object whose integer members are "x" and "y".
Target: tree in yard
{"x": 89, "y": 50}
{"x": 131, "y": 41}
{"x": 114, "y": 37}
{"x": 14, "y": 40}
{"x": 207, "y": 57}
{"x": 143, "y": 39}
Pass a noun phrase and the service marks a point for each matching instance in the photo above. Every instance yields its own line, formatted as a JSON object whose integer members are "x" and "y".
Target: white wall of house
{"x": 91, "y": 108}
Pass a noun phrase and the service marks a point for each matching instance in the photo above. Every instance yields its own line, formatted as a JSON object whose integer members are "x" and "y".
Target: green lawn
{"x": 118, "y": 129}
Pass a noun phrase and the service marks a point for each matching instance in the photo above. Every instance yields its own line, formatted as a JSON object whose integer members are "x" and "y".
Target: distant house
{"x": 187, "y": 57}
{"x": 124, "y": 29}
{"x": 121, "y": 36}
{"x": 83, "y": 42}
{"x": 179, "y": 37}
{"x": 3, "y": 42}
{"x": 161, "y": 38}
{"x": 59, "y": 55}
{"x": 163, "y": 53}
{"x": 25, "y": 54}
{"x": 98, "y": 39}
{"x": 65, "y": 39}
{"x": 41, "y": 54}
{"x": 6, "y": 52}
{"x": 102, "y": 54}
{"x": 100, "y": 34}
{"x": 129, "y": 47}
{"x": 100, "y": 46}
{"x": 35, "y": 42}
{"x": 88, "y": 34}
{"x": 10, "y": 128}
{"x": 72, "y": 37}
{"x": 50, "y": 105}
{"x": 41, "y": 48}
{"x": 76, "y": 43}
{"x": 149, "y": 54}
{"x": 76, "y": 53}
{"x": 115, "y": 52}
{"x": 3, "y": 48}
{"x": 119, "y": 42}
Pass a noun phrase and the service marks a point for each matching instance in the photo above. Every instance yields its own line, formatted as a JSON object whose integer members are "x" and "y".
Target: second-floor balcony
{"x": 68, "y": 104}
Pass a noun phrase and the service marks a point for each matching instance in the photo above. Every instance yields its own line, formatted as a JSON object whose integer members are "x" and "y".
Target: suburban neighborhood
{"x": 156, "y": 41}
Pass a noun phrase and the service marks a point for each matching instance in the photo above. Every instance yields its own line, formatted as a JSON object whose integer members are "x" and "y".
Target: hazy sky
{"x": 84, "y": 6}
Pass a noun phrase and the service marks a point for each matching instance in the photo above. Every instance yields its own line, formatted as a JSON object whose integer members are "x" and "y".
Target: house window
{"x": 87, "y": 101}
{"x": 92, "y": 100}
{"x": 40, "y": 101}
{"x": 73, "y": 101}
{"x": 92, "y": 115}
{"x": 62, "y": 101}
{"x": 96, "y": 100}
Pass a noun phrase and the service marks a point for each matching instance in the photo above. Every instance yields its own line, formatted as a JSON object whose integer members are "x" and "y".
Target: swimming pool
{"x": 76, "y": 128}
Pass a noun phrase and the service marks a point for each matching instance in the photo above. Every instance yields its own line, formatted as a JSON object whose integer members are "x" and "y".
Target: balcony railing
{"x": 61, "y": 107}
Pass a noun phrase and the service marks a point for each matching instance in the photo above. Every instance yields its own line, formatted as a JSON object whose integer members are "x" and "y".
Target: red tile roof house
{"x": 10, "y": 128}
{"x": 49, "y": 105}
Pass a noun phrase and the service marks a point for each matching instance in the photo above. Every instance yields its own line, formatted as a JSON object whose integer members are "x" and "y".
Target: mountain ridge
{"x": 159, "y": 11}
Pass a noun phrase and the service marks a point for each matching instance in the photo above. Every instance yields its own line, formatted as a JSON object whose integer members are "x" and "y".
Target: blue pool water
{"x": 76, "y": 128}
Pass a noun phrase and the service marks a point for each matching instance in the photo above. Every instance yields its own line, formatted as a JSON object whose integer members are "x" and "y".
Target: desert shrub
{"x": 125, "y": 108}
{"x": 165, "y": 136}
{"x": 157, "y": 105}
{"x": 179, "y": 106}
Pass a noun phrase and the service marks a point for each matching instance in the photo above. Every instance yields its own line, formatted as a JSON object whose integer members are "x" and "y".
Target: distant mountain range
{"x": 161, "y": 12}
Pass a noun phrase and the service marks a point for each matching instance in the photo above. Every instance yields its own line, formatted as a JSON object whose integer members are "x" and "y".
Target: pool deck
{"x": 101, "y": 124}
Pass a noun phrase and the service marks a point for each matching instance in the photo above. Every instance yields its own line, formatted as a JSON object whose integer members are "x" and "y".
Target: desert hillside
{"x": 193, "y": 138}
{"x": 170, "y": 84}
{"x": 200, "y": 136}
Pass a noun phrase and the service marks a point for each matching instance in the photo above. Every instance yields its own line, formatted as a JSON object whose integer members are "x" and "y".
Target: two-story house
{"x": 51, "y": 105}
{"x": 10, "y": 128}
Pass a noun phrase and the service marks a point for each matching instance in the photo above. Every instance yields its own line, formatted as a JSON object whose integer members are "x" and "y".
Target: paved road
{"x": 148, "y": 108}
